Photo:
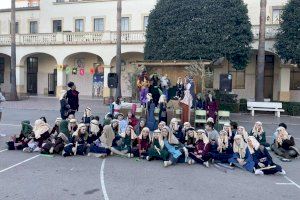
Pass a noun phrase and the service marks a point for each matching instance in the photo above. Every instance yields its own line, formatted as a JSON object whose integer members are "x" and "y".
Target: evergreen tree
{"x": 288, "y": 38}
{"x": 194, "y": 29}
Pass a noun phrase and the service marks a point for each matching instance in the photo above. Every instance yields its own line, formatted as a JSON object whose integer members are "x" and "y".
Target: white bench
{"x": 265, "y": 106}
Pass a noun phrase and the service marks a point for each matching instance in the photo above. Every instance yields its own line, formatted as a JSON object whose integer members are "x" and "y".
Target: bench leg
{"x": 252, "y": 113}
{"x": 278, "y": 113}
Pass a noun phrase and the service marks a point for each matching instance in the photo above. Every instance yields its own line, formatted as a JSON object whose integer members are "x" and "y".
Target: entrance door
{"x": 269, "y": 77}
{"x": 32, "y": 72}
{"x": 52, "y": 82}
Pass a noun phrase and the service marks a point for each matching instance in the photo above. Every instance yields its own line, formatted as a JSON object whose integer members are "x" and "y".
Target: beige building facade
{"x": 56, "y": 38}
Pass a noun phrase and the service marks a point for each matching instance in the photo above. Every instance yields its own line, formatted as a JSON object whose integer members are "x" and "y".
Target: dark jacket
{"x": 73, "y": 99}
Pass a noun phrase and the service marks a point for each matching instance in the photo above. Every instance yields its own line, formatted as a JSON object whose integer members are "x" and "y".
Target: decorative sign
{"x": 81, "y": 72}
{"x": 92, "y": 70}
{"x": 68, "y": 70}
{"x": 74, "y": 70}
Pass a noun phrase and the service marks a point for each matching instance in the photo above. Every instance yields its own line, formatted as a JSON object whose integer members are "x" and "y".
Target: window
{"x": 79, "y": 25}
{"x": 98, "y": 24}
{"x": 60, "y": 1}
{"x": 295, "y": 79}
{"x": 238, "y": 78}
{"x": 33, "y": 27}
{"x": 2, "y": 63}
{"x": 125, "y": 24}
{"x": 57, "y": 26}
{"x": 276, "y": 15}
{"x": 146, "y": 18}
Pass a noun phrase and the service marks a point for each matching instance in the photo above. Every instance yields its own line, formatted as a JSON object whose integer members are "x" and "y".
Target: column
{"x": 20, "y": 79}
{"x": 106, "y": 90}
{"x": 284, "y": 83}
{"x": 61, "y": 81}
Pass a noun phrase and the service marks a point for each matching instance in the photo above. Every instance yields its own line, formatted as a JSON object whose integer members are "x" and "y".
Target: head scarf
{"x": 210, "y": 119}
{"x": 145, "y": 129}
{"x": 94, "y": 126}
{"x": 87, "y": 112}
{"x": 40, "y": 127}
{"x": 162, "y": 99}
{"x": 133, "y": 136}
{"x": 160, "y": 139}
{"x": 223, "y": 139}
{"x": 175, "y": 122}
{"x": 171, "y": 137}
{"x": 255, "y": 144}
{"x": 76, "y": 133}
{"x": 285, "y": 134}
{"x": 108, "y": 135}
{"x": 244, "y": 132}
{"x": 204, "y": 136}
{"x": 240, "y": 149}
{"x": 58, "y": 121}
{"x": 255, "y": 129}
{"x": 227, "y": 125}
{"x": 26, "y": 128}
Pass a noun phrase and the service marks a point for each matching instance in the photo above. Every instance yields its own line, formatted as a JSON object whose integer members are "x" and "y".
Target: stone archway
{"x": 36, "y": 74}
{"x": 88, "y": 82}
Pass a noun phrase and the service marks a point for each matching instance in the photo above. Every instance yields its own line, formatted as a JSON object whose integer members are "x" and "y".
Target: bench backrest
{"x": 264, "y": 105}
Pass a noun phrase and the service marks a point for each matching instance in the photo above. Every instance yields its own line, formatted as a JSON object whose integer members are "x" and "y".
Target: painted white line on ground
{"x": 295, "y": 184}
{"x": 3, "y": 150}
{"x": 284, "y": 184}
{"x": 24, "y": 161}
{"x": 267, "y": 123}
{"x": 9, "y": 125}
{"x": 102, "y": 181}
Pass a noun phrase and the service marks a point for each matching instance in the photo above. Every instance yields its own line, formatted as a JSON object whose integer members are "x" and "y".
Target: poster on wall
{"x": 126, "y": 84}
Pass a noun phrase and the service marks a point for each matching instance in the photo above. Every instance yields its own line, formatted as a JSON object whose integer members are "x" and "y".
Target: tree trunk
{"x": 13, "y": 89}
{"x": 118, "y": 56}
{"x": 260, "y": 69}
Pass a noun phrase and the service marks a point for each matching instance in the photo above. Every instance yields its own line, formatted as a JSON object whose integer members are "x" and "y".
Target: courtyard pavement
{"x": 32, "y": 176}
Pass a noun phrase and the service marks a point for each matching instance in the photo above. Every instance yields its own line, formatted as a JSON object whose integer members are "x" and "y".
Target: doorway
{"x": 269, "y": 77}
{"x": 52, "y": 82}
{"x": 32, "y": 75}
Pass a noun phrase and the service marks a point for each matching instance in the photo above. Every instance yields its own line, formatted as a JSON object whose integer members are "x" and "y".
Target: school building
{"x": 75, "y": 40}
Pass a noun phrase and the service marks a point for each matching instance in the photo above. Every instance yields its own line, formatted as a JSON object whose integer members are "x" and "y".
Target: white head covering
{"x": 39, "y": 128}
{"x": 255, "y": 130}
{"x": 76, "y": 133}
{"x": 244, "y": 132}
{"x": 240, "y": 149}
{"x": 94, "y": 126}
{"x": 223, "y": 139}
{"x": 204, "y": 136}
{"x": 87, "y": 112}
{"x": 255, "y": 144}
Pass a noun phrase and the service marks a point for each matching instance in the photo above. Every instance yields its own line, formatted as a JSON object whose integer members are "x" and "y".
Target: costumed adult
{"x": 64, "y": 106}
{"x": 165, "y": 84}
{"x": 211, "y": 107}
{"x": 151, "y": 122}
{"x": 192, "y": 89}
{"x": 179, "y": 88}
{"x": 143, "y": 85}
{"x": 186, "y": 104}
{"x": 73, "y": 98}
{"x": 154, "y": 88}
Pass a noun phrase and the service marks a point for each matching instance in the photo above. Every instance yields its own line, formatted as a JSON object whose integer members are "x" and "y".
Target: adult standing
{"x": 211, "y": 107}
{"x": 64, "y": 106}
{"x": 2, "y": 99}
{"x": 186, "y": 104}
{"x": 73, "y": 98}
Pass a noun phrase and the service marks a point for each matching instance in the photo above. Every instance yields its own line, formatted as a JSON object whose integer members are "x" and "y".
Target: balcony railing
{"x": 71, "y": 38}
{"x": 107, "y": 37}
{"x": 271, "y": 31}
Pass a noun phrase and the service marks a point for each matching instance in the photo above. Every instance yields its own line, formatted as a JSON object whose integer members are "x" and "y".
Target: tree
{"x": 13, "y": 89}
{"x": 194, "y": 29}
{"x": 200, "y": 69}
{"x": 288, "y": 38}
{"x": 118, "y": 57}
{"x": 260, "y": 68}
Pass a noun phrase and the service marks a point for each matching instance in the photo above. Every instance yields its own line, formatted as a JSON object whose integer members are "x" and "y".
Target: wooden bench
{"x": 265, "y": 106}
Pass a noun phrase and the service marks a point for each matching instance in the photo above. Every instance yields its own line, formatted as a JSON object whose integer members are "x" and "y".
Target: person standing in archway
{"x": 73, "y": 98}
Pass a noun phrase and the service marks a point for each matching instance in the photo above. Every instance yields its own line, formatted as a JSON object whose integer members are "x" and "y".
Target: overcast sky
{"x": 5, "y": 3}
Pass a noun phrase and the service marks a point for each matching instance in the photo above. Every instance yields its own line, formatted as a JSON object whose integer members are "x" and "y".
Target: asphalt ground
{"x": 32, "y": 176}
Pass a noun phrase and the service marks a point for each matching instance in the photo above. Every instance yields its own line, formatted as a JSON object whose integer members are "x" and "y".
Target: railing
{"x": 71, "y": 38}
{"x": 271, "y": 31}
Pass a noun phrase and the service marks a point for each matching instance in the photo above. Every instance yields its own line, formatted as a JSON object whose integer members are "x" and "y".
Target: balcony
{"x": 71, "y": 38}
{"x": 271, "y": 31}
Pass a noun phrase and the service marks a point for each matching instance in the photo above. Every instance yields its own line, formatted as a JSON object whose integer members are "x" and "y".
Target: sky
{"x": 5, "y": 3}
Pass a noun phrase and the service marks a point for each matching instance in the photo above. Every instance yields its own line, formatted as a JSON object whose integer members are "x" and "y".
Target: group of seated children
{"x": 176, "y": 143}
